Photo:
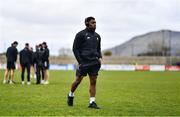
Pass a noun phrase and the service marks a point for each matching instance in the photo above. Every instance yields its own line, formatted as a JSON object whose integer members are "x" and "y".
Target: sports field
{"x": 118, "y": 93}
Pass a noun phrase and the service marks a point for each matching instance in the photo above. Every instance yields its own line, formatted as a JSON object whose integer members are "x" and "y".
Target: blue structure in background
{"x": 62, "y": 66}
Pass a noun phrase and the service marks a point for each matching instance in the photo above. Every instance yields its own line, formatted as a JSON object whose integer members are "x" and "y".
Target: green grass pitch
{"x": 118, "y": 93}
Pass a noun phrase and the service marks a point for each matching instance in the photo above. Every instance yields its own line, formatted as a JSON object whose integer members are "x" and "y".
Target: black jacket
{"x": 34, "y": 54}
{"x": 46, "y": 55}
{"x": 39, "y": 57}
{"x": 87, "y": 47}
{"x": 25, "y": 56}
{"x": 11, "y": 54}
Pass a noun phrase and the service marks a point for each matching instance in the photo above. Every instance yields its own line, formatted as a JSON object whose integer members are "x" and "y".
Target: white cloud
{"x": 57, "y": 21}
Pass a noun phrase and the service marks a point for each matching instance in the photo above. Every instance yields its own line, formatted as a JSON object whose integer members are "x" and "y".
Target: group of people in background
{"x": 31, "y": 61}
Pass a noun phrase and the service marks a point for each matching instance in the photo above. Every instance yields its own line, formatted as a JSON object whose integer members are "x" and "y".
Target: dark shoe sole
{"x": 94, "y": 107}
{"x": 69, "y": 104}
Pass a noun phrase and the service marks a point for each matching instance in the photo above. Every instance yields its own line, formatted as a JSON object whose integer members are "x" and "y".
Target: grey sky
{"x": 57, "y": 21}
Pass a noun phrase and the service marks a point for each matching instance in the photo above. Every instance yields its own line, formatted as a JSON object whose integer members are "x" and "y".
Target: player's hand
{"x": 80, "y": 65}
{"x": 100, "y": 60}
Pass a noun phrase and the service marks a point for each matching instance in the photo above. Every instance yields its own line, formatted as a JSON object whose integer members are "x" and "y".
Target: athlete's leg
{"x": 92, "y": 88}
{"x": 76, "y": 83}
{"x": 6, "y": 75}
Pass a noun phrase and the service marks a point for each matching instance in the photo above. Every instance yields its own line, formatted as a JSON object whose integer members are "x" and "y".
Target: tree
{"x": 107, "y": 53}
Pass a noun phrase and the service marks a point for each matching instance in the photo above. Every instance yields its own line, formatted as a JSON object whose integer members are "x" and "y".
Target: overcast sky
{"x": 57, "y": 21}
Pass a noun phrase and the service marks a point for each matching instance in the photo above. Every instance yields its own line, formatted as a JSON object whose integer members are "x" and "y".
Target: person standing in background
{"x": 25, "y": 61}
{"x": 46, "y": 63}
{"x": 33, "y": 74}
{"x": 39, "y": 64}
{"x": 11, "y": 56}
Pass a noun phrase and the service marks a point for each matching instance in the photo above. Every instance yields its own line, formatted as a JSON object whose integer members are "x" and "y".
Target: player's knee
{"x": 77, "y": 82}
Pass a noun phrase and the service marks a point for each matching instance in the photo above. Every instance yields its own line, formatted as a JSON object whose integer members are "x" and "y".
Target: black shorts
{"x": 11, "y": 65}
{"x": 91, "y": 70}
{"x": 46, "y": 65}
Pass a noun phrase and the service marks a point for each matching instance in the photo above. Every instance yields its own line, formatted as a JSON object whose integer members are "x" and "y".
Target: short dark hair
{"x": 27, "y": 44}
{"x": 44, "y": 43}
{"x": 88, "y": 19}
{"x": 15, "y": 42}
{"x": 40, "y": 45}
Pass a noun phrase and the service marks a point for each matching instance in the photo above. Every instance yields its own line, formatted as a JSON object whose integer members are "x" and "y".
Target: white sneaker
{"x": 34, "y": 76}
{"x": 28, "y": 83}
{"x": 10, "y": 82}
{"x": 42, "y": 81}
{"x": 4, "y": 82}
{"x": 22, "y": 82}
{"x": 46, "y": 82}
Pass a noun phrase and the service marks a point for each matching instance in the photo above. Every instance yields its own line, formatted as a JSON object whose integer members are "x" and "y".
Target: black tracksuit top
{"x": 39, "y": 57}
{"x": 46, "y": 55}
{"x": 11, "y": 54}
{"x": 25, "y": 56}
{"x": 87, "y": 46}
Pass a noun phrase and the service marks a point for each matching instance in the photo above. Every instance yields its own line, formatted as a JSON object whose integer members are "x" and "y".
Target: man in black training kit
{"x": 25, "y": 58}
{"x": 11, "y": 56}
{"x": 39, "y": 63}
{"x": 87, "y": 50}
